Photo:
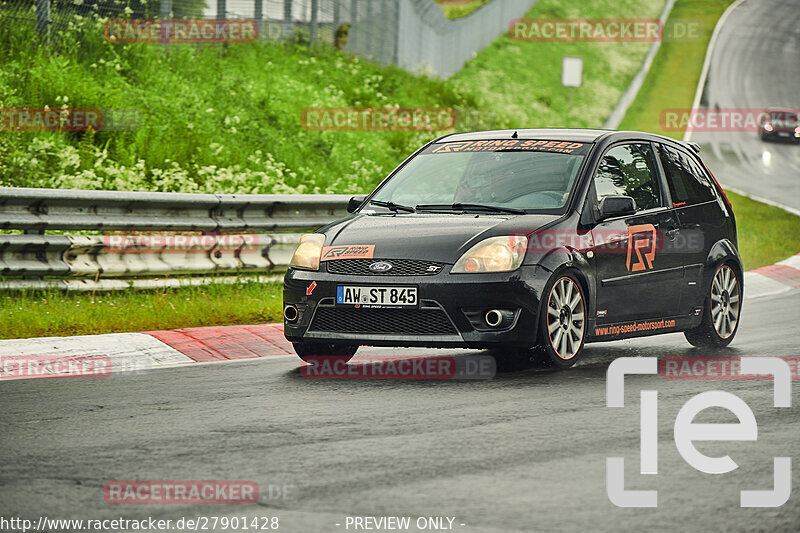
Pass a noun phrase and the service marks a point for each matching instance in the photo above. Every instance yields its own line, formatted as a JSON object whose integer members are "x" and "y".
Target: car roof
{"x": 563, "y": 134}
{"x": 549, "y": 134}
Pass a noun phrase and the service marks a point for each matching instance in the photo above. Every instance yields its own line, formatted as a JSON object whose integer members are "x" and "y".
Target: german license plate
{"x": 376, "y": 296}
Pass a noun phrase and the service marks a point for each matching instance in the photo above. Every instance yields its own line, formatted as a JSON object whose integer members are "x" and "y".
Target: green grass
{"x": 519, "y": 83}
{"x": 766, "y": 234}
{"x": 454, "y": 10}
{"x": 57, "y": 313}
{"x": 228, "y": 120}
{"x": 216, "y": 119}
{"x": 673, "y": 77}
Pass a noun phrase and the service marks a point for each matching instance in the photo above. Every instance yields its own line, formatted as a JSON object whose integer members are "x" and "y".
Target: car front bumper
{"x": 450, "y": 311}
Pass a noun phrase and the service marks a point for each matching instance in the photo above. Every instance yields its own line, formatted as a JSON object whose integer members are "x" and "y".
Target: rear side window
{"x": 630, "y": 170}
{"x": 688, "y": 183}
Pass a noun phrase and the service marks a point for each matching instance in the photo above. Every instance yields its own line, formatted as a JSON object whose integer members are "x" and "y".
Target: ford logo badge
{"x": 380, "y": 266}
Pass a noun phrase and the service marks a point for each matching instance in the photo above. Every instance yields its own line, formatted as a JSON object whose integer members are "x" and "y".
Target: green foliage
{"x": 453, "y": 10}
{"x": 676, "y": 60}
{"x": 520, "y": 82}
{"x": 54, "y": 313}
{"x": 216, "y": 119}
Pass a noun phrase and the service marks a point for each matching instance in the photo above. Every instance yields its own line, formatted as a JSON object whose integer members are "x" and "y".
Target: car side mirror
{"x": 616, "y": 206}
{"x": 354, "y": 203}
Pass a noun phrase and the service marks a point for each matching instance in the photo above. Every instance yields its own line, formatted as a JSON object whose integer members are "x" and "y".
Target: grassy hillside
{"x": 676, "y": 60}
{"x": 227, "y": 119}
{"x": 520, "y": 82}
{"x": 215, "y": 119}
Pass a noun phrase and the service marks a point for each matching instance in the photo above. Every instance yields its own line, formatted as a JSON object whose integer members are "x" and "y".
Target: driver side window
{"x": 630, "y": 170}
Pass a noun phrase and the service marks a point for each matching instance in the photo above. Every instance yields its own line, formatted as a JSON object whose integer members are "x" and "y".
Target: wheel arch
{"x": 723, "y": 251}
{"x": 576, "y": 264}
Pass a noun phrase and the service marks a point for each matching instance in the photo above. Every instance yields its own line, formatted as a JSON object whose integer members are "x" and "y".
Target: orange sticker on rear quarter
{"x": 348, "y": 251}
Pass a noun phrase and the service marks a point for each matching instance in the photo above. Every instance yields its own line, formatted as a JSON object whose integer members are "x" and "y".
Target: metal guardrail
{"x": 212, "y": 249}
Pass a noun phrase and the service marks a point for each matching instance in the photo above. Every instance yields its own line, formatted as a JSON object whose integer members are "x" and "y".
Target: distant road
{"x": 756, "y": 64}
{"x": 525, "y": 451}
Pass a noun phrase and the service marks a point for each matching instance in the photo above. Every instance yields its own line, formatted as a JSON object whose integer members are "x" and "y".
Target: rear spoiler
{"x": 694, "y": 146}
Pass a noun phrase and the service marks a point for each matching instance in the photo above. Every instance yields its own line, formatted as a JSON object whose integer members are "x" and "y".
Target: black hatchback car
{"x": 532, "y": 242}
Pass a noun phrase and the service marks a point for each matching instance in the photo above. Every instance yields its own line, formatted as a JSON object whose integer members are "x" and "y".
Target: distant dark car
{"x": 533, "y": 242}
{"x": 780, "y": 124}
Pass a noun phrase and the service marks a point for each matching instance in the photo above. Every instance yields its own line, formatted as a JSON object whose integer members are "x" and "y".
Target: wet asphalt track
{"x": 524, "y": 451}
{"x": 755, "y": 64}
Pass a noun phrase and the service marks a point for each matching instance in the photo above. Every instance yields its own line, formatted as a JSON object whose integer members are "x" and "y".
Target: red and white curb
{"x": 773, "y": 279}
{"x": 112, "y": 353}
{"x": 126, "y": 352}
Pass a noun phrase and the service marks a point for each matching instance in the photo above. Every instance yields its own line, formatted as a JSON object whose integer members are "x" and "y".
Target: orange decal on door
{"x": 641, "y": 237}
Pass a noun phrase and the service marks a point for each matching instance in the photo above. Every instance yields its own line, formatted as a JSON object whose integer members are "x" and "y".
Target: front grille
{"x": 400, "y": 267}
{"x": 382, "y": 321}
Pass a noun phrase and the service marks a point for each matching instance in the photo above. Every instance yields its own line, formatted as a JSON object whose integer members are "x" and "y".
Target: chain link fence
{"x": 413, "y": 34}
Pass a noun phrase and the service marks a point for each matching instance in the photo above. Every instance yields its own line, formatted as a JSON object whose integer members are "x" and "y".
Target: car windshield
{"x": 510, "y": 175}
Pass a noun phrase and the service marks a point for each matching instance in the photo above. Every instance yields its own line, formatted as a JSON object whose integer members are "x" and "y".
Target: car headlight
{"x": 308, "y": 252}
{"x": 495, "y": 254}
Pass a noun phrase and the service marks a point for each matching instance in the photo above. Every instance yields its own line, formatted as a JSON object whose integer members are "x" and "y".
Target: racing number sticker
{"x": 347, "y": 251}
{"x": 641, "y": 237}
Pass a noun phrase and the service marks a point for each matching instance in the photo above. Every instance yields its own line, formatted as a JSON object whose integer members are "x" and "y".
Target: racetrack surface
{"x": 525, "y": 451}
{"x": 755, "y": 64}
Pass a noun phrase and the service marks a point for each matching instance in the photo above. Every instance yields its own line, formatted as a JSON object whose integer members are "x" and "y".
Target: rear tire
{"x": 562, "y": 326}
{"x": 313, "y": 352}
{"x": 721, "y": 311}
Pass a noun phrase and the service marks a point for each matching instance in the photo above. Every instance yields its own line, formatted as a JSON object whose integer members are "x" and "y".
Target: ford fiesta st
{"x": 533, "y": 242}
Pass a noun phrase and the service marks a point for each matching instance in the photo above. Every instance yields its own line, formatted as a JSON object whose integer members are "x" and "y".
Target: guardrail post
{"x": 43, "y": 19}
{"x": 259, "y": 16}
{"x": 41, "y": 258}
{"x": 314, "y": 10}
{"x": 287, "y": 18}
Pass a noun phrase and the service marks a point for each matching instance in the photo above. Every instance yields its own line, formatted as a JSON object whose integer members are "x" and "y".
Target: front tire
{"x": 563, "y": 323}
{"x": 723, "y": 306}
{"x": 313, "y": 352}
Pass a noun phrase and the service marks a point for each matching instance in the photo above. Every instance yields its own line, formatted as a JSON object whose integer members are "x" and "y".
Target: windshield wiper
{"x": 474, "y": 207}
{"x": 393, "y": 206}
